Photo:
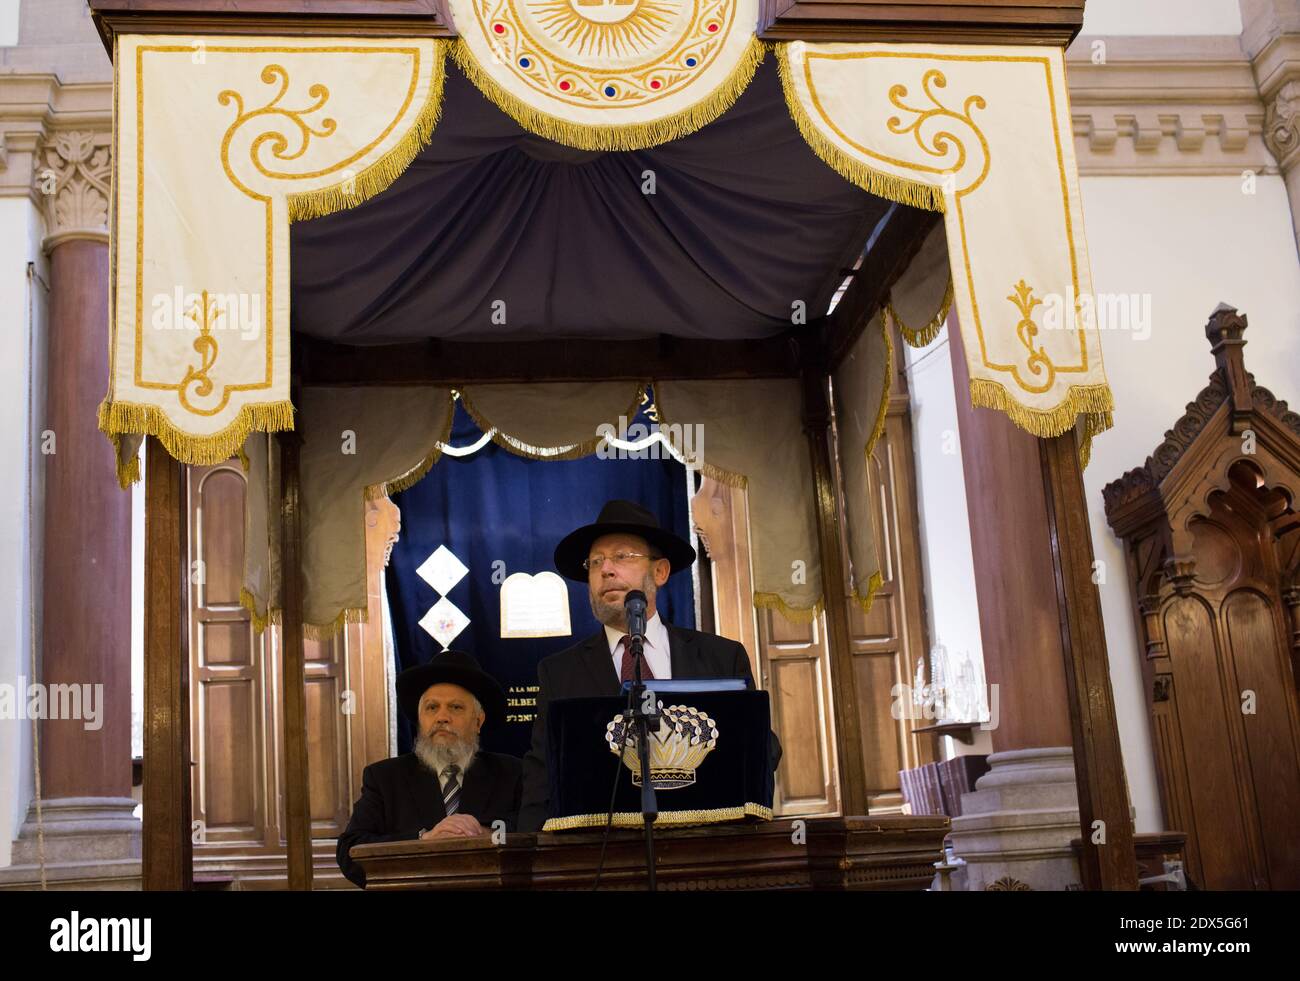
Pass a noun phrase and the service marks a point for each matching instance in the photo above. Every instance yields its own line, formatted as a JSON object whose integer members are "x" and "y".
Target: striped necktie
{"x": 451, "y": 789}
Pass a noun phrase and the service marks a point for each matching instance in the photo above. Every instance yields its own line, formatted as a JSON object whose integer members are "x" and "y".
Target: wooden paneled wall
{"x": 236, "y": 704}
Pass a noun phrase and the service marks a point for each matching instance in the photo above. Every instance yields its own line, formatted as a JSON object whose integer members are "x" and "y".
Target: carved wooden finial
{"x": 1224, "y": 331}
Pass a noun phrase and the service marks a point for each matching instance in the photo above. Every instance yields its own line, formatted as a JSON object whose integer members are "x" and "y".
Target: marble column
{"x": 84, "y": 832}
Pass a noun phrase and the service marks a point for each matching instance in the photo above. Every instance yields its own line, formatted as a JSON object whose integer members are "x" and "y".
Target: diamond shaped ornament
{"x": 442, "y": 570}
{"x": 444, "y": 622}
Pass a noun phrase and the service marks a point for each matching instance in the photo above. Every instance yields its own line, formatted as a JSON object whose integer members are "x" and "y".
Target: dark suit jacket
{"x": 401, "y": 796}
{"x": 587, "y": 670}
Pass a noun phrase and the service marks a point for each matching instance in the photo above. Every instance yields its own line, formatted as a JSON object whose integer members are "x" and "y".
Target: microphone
{"x": 634, "y": 608}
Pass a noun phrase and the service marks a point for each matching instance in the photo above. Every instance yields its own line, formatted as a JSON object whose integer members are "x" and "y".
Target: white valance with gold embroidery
{"x": 982, "y": 134}
{"x": 609, "y": 74}
{"x": 220, "y": 143}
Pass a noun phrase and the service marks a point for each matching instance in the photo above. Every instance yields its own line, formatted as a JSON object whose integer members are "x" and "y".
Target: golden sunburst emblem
{"x": 605, "y": 27}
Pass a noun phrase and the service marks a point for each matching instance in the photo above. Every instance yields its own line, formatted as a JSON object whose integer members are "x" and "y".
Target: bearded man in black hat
{"x": 447, "y": 787}
{"x": 625, "y": 549}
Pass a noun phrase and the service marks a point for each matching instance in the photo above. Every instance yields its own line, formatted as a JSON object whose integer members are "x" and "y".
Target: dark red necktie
{"x": 628, "y": 670}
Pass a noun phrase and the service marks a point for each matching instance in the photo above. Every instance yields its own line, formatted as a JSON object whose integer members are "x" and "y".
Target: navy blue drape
{"x": 494, "y": 507}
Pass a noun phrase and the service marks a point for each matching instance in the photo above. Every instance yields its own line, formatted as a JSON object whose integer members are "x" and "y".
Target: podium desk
{"x": 893, "y": 852}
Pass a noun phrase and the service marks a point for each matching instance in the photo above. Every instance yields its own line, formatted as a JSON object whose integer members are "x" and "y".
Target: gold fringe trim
{"x": 921, "y": 336}
{"x": 374, "y": 492}
{"x": 795, "y": 614}
{"x": 1094, "y": 402}
{"x": 519, "y": 448}
{"x": 901, "y": 190}
{"x": 379, "y": 175}
{"x": 202, "y": 451}
{"x": 128, "y": 471}
{"x": 882, "y": 413}
{"x": 311, "y": 631}
{"x": 324, "y": 631}
{"x": 260, "y": 620}
{"x": 1093, "y": 425}
{"x": 873, "y": 586}
{"x": 728, "y": 477}
{"x": 624, "y": 136}
{"x": 627, "y": 819}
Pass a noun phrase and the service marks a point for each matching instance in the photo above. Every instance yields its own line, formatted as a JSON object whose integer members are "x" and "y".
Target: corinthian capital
{"x": 72, "y": 180}
{"x": 1282, "y": 124}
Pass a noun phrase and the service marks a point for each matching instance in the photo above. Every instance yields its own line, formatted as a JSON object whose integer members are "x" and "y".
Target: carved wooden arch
{"x": 1212, "y": 537}
{"x": 1232, "y": 420}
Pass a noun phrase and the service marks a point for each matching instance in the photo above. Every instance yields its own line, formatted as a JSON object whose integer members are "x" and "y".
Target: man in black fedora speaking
{"x": 447, "y": 787}
{"x": 625, "y": 549}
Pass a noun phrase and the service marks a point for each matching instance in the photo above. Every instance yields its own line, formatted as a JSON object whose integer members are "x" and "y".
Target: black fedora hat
{"x": 620, "y": 517}
{"x": 452, "y": 668}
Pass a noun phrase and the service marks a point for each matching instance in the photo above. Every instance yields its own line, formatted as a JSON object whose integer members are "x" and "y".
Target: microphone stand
{"x": 649, "y": 803}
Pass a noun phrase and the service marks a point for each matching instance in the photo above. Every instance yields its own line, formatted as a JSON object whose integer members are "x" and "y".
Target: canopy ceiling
{"x": 744, "y": 221}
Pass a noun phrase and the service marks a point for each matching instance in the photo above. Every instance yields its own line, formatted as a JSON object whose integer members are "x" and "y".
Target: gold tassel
{"x": 128, "y": 471}
{"x": 1093, "y": 425}
{"x": 203, "y": 451}
{"x": 379, "y": 175}
{"x": 921, "y": 336}
{"x": 625, "y": 136}
{"x": 1094, "y": 402}
{"x": 795, "y": 614}
{"x": 388, "y": 488}
{"x": 900, "y": 190}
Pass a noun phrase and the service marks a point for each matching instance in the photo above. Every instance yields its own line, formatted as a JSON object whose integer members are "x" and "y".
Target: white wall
{"x": 22, "y": 358}
{"x": 1162, "y": 17}
{"x": 8, "y": 22}
{"x": 1190, "y": 243}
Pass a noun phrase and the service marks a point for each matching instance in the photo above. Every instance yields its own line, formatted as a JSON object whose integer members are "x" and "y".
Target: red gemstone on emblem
{"x": 712, "y": 28}
{"x": 564, "y": 86}
{"x": 655, "y": 84}
{"x": 501, "y": 29}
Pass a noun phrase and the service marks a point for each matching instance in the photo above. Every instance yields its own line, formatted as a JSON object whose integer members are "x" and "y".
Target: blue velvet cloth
{"x": 496, "y": 507}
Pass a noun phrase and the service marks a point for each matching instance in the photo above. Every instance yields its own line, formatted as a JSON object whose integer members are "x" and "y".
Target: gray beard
{"x": 613, "y": 614}
{"x": 438, "y": 755}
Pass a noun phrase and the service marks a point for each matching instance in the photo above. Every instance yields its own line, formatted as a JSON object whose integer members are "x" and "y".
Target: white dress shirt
{"x": 655, "y": 649}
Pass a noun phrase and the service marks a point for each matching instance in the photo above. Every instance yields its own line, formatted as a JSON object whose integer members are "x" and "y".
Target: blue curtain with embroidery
{"x": 499, "y": 514}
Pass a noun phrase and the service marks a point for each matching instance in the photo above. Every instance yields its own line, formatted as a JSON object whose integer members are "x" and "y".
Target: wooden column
{"x": 1040, "y": 615}
{"x": 1098, "y": 759}
{"x": 297, "y": 801}
{"x": 167, "y": 846}
{"x": 848, "y": 726}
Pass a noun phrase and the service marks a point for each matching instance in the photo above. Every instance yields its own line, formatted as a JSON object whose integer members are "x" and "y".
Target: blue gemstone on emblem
{"x": 609, "y": 91}
{"x": 690, "y": 62}
{"x": 524, "y": 62}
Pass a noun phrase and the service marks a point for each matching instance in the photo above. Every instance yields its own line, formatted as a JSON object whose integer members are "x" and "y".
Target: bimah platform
{"x": 891, "y": 852}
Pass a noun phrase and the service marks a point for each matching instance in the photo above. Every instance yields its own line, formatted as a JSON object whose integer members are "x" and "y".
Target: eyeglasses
{"x": 618, "y": 558}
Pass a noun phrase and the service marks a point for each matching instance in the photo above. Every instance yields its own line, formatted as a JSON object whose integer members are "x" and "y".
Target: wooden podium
{"x": 895, "y": 852}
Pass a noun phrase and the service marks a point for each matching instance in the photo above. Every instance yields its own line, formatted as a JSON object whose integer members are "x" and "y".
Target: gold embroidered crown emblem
{"x": 684, "y": 738}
